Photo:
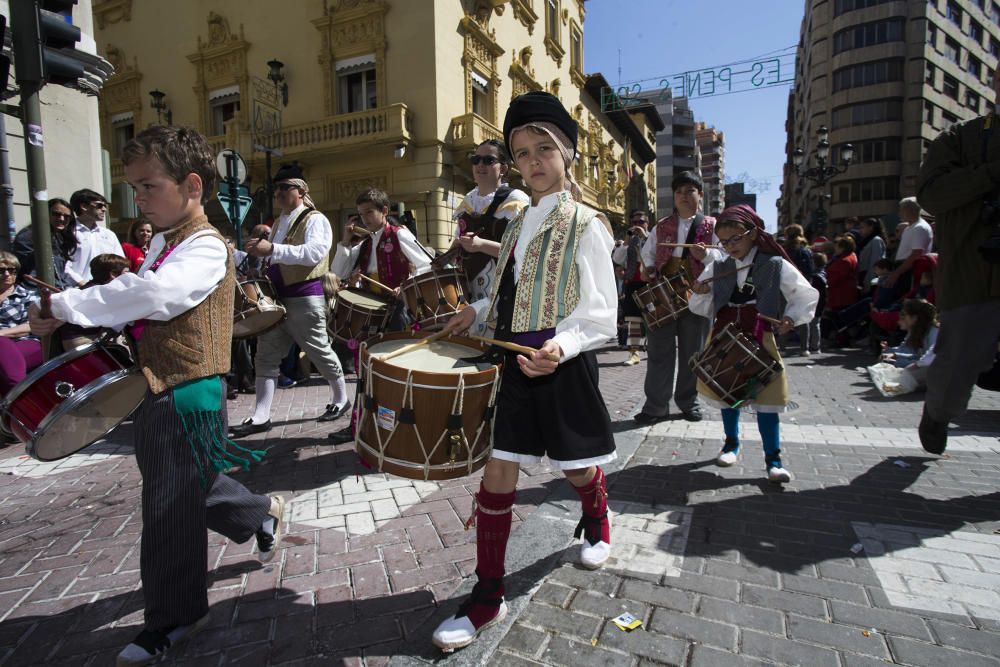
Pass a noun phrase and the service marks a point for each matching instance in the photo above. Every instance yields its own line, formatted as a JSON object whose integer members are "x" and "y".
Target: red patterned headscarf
{"x": 747, "y": 218}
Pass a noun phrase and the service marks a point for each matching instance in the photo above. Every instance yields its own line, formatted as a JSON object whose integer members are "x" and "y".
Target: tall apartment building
{"x": 676, "y": 145}
{"x": 712, "y": 146}
{"x": 394, "y": 94}
{"x": 886, "y": 76}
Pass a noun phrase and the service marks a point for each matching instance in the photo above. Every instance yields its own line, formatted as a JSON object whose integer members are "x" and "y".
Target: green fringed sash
{"x": 199, "y": 405}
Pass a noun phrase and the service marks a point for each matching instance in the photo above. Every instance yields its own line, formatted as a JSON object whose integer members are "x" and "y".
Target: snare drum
{"x": 426, "y": 414}
{"x": 665, "y": 300}
{"x": 734, "y": 366}
{"x": 433, "y": 296}
{"x": 73, "y": 400}
{"x": 358, "y": 316}
{"x": 256, "y": 308}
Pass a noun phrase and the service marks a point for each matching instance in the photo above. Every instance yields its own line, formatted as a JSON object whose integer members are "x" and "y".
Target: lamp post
{"x": 821, "y": 173}
{"x": 162, "y": 110}
{"x": 277, "y": 77}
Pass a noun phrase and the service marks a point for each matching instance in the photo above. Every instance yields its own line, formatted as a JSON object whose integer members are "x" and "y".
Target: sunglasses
{"x": 733, "y": 240}
{"x": 285, "y": 187}
{"x": 488, "y": 160}
{"x": 99, "y": 205}
{"x": 61, "y": 216}
{"x": 7, "y": 269}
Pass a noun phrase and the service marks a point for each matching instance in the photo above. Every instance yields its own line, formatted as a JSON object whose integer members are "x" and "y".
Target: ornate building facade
{"x": 388, "y": 93}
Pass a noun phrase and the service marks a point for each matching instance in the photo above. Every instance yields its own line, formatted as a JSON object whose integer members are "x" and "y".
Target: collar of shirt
{"x": 82, "y": 228}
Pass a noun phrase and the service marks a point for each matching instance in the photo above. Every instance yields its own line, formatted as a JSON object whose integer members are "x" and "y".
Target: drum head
{"x": 256, "y": 322}
{"x": 437, "y": 357}
{"x": 365, "y": 299}
{"x": 89, "y": 415}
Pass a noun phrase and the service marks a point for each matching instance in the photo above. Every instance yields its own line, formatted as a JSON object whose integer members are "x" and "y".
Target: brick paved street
{"x": 874, "y": 554}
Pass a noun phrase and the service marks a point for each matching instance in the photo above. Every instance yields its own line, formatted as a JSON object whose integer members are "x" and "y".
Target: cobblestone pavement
{"x": 874, "y": 554}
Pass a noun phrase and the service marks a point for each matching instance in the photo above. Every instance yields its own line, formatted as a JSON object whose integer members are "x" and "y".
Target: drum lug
{"x": 455, "y": 446}
{"x": 64, "y": 389}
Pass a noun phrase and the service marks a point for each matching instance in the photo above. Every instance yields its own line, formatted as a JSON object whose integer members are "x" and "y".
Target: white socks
{"x": 265, "y": 395}
{"x": 339, "y": 389}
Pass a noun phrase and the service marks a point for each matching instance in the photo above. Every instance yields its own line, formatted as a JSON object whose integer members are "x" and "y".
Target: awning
{"x": 355, "y": 64}
{"x": 222, "y": 93}
{"x": 123, "y": 118}
{"x": 479, "y": 82}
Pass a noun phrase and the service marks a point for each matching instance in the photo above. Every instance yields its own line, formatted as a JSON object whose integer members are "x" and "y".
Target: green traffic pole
{"x": 34, "y": 142}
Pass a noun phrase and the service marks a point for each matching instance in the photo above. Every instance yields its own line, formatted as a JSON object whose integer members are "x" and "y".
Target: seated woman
{"x": 63, "y": 243}
{"x": 842, "y": 284}
{"x": 103, "y": 269}
{"x": 20, "y": 352}
{"x": 918, "y": 319}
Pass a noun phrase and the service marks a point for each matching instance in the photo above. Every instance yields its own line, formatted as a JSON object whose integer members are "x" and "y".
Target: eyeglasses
{"x": 8, "y": 269}
{"x": 60, "y": 216}
{"x": 285, "y": 187}
{"x": 488, "y": 160}
{"x": 99, "y": 205}
{"x": 733, "y": 240}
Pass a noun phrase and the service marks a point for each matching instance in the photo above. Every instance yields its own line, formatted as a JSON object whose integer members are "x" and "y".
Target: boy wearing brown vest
{"x": 180, "y": 308}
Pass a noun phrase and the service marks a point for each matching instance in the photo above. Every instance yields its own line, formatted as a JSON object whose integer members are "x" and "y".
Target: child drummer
{"x": 180, "y": 305}
{"x": 555, "y": 290}
{"x": 755, "y": 283}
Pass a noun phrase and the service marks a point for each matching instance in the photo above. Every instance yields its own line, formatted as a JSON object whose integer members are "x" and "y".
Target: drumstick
{"x": 772, "y": 320}
{"x": 361, "y": 230}
{"x": 681, "y": 245}
{"x": 723, "y": 275}
{"x": 514, "y": 347}
{"x": 41, "y": 283}
{"x": 420, "y": 343}
{"x": 377, "y": 283}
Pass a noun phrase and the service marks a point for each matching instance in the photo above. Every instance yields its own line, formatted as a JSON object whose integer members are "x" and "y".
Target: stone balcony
{"x": 470, "y": 130}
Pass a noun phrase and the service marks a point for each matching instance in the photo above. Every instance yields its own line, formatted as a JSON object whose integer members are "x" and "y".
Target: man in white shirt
{"x": 298, "y": 251}
{"x": 92, "y": 238}
{"x": 917, "y": 239}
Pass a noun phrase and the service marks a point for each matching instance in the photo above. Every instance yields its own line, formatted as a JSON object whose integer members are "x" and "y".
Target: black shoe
{"x": 340, "y": 437}
{"x": 333, "y": 412}
{"x": 231, "y": 393}
{"x": 248, "y": 428}
{"x": 692, "y": 415}
{"x": 933, "y": 434}
{"x": 644, "y": 418}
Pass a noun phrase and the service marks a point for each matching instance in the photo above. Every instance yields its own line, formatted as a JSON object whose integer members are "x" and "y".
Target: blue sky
{"x": 665, "y": 37}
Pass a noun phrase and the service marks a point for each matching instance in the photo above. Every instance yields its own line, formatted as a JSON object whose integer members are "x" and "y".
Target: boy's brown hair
{"x": 105, "y": 268}
{"x": 179, "y": 150}
{"x": 373, "y": 196}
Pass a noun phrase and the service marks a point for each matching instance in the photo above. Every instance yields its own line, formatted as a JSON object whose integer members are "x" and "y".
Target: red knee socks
{"x": 492, "y": 517}
{"x": 594, "y": 501}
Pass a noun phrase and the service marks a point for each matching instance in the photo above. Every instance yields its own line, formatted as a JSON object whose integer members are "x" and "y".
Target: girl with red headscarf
{"x": 755, "y": 279}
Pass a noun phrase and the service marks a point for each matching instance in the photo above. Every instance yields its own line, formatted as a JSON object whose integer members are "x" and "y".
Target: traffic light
{"x": 44, "y": 40}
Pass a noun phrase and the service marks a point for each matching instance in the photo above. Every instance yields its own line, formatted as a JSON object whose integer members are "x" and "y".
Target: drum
{"x": 665, "y": 300}
{"x": 426, "y": 414}
{"x": 358, "y": 316}
{"x": 735, "y": 366}
{"x": 73, "y": 400}
{"x": 433, "y": 296}
{"x": 256, "y": 308}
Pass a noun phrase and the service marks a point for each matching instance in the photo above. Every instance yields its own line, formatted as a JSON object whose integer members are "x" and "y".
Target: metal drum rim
{"x": 49, "y": 365}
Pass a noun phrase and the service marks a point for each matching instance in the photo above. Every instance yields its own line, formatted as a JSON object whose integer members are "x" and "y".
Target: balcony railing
{"x": 470, "y": 130}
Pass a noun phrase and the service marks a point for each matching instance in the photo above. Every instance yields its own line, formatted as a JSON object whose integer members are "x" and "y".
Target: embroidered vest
{"x": 393, "y": 267}
{"x": 549, "y": 287}
{"x": 294, "y": 273}
{"x": 765, "y": 274}
{"x": 196, "y": 343}
{"x": 666, "y": 232}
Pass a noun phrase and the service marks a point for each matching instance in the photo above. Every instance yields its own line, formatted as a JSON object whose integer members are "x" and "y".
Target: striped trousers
{"x": 177, "y": 509}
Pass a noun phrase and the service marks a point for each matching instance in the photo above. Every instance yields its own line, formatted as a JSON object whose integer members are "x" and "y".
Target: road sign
{"x": 243, "y": 204}
{"x": 226, "y": 169}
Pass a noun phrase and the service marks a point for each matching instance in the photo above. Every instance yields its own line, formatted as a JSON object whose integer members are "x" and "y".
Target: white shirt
{"x": 90, "y": 243}
{"x": 801, "y": 297}
{"x": 315, "y": 248}
{"x": 648, "y": 250}
{"x": 595, "y": 318}
{"x": 478, "y": 204}
{"x": 186, "y": 277}
{"x": 345, "y": 258}
{"x": 918, "y": 236}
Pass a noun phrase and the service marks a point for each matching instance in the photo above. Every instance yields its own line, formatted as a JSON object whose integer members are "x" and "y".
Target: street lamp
{"x": 821, "y": 173}
{"x": 162, "y": 110}
{"x": 278, "y": 78}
